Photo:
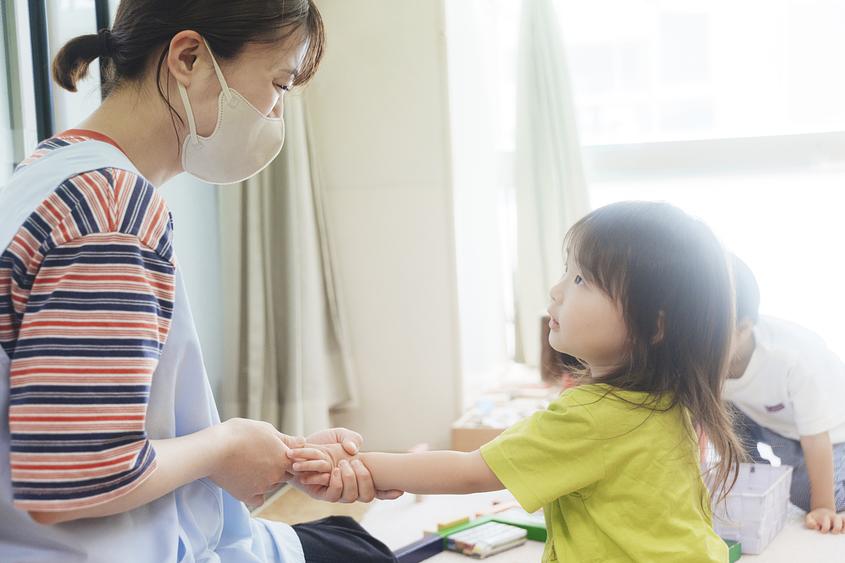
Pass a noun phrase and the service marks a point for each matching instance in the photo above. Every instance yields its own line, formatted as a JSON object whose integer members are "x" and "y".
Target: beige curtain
{"x": 287, "y": 359}
{"x": 551, "y": 193}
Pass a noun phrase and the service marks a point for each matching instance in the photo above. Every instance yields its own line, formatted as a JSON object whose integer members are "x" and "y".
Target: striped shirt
{"x": 86, "y": 298}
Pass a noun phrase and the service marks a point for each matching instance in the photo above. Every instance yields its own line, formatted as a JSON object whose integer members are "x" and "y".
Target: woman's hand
{"x": 349, "y": 482}
{"x": 254, "y": 460}
{"x": 319, "y": 458}
{"x": 349, "y": 439}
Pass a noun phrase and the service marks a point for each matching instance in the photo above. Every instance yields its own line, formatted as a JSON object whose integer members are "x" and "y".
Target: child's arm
{"x": 441, "y": 472}
{"x": 818, "y": 455}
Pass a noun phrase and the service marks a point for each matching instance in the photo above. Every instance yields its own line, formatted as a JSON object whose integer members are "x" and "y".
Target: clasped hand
{"x": 327, "y": 467}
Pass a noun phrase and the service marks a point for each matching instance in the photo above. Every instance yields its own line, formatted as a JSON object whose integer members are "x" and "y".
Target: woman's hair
{"x": 672, "y": 279}
{"x": 143, "y": 29}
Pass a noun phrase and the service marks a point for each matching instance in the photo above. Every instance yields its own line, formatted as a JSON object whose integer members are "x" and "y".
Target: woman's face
{"x": 261, "y": 73}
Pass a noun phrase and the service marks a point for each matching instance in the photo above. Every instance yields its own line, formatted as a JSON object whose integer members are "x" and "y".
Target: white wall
{"x": 378, "y": 109}
{"x": 196, "y": 231}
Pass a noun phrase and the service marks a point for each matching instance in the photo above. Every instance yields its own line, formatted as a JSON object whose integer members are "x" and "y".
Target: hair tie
{"x": 104, "y": 37}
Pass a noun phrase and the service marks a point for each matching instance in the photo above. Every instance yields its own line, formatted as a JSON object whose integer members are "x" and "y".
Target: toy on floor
{"x": 449, "y": 536}
{"x": 487, "y": 539}
{"x": 533, "y": 525}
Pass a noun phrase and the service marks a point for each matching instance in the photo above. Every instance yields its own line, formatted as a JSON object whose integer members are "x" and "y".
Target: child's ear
{"x": 742, "y": 334}
{"x": 661, "y": 328}
{"x": 744, "y": 327}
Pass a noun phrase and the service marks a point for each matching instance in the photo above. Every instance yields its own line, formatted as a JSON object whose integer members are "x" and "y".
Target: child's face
{"x": 586, "y": 322}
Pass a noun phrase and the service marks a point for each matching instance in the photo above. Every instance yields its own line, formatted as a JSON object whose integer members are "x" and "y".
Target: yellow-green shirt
{"x": 618, "y": 481}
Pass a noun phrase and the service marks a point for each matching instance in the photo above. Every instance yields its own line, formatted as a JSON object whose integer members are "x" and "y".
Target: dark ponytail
{"x": 143, "y": 30}
{"x": 72, "y": 62}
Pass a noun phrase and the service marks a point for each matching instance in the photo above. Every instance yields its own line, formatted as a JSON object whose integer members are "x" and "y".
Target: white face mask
{"x": 242, "y": 144}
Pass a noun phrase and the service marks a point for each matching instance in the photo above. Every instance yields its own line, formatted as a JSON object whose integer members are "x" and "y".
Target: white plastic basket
{"x": 755, "y": 510}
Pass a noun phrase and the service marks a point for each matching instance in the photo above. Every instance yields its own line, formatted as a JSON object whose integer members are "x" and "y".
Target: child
{"x": 789, "y": 388}
{"x": 646, "y": 305}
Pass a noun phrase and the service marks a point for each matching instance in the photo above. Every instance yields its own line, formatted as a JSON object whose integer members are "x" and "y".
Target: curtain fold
{"x": 551, "y": 192}
{"x": 287, "y": 355}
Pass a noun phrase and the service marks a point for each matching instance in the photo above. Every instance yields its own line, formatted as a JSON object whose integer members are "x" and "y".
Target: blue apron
{"x": 196, "y": 522}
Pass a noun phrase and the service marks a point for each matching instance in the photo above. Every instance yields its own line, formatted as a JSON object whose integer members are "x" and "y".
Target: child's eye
{"x": 578, "y": 280}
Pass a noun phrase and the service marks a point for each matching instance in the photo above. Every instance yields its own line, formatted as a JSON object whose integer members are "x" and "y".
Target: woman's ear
{"x": 660, "y": 333}
{"x": 185, "y": 48}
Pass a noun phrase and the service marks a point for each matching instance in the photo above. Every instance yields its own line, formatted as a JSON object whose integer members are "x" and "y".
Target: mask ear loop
{"x": 192, "y": 126}
{"x": 223, "y": 84}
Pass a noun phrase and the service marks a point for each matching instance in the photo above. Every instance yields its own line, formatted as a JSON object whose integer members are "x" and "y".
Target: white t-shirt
{"x": 794, "y": 385}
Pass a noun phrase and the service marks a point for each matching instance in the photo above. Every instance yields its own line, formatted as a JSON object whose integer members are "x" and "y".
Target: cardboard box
{"x": 498, "y": 409}
{"x": 470, "y": 439}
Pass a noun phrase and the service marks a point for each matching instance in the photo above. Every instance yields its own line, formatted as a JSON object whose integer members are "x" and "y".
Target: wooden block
{"x": 446, "y": 525}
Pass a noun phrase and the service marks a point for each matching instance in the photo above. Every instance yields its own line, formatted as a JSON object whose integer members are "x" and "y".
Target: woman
{"x": 114, "y": 450}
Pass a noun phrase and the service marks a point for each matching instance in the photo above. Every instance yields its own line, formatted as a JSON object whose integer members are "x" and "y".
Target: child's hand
{"x": 825, "y": 520}
{"x": 329, "y": 472}
{"x": 319, "y": 458}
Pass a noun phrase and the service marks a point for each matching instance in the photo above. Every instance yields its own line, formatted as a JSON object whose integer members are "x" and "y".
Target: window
{"x": 65, "y": 20}
{"x": 734, "y": 111}
{"x": 673, "y": 70}
{"x": 18, "y": 131}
